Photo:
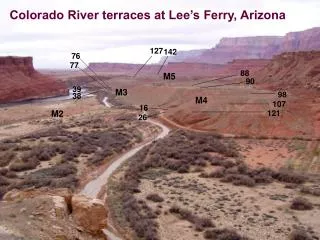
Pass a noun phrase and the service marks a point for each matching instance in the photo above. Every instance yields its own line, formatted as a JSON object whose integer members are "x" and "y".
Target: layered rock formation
{"x": 292, "y": 70}
{"x": 20, "y": 81}
{"x": 234, "y": 67}
{"x": 260, "y": 47}
{"x": 88, "y": 213}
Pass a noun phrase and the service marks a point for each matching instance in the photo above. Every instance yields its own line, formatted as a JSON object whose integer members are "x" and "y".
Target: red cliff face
{"x": 20, "y": 81}
{"x": 292, "y": 70}
{"x": 260, "y": 47}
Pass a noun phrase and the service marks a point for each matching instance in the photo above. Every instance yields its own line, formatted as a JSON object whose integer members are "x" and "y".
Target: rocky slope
{"x": 292, "y": 70}
{"x": 259, "y": 47}
{"x": 51, "y": 214}
{"x": 20, "y": 81}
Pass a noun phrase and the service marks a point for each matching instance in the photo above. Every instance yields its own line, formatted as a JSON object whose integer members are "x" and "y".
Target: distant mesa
{"x": 127, "y": 68}
{"x": 182, "y": 68}
{"x": 19, "y": 81}
{"x": 259, "y": 47}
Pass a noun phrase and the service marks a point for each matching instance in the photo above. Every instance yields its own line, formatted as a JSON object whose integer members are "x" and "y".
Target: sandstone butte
{"x": 256, "y": 47}
{"x": 20, "y": 81}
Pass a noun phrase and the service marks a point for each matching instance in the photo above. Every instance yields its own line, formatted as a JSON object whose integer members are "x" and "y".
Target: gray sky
{"x": 51, "y": 42}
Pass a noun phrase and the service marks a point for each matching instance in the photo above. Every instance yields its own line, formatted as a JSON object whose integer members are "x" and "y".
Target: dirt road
{"x": 93, "y": 188}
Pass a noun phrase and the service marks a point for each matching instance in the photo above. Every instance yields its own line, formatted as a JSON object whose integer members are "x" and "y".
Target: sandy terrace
{"x": 261, "y": 212}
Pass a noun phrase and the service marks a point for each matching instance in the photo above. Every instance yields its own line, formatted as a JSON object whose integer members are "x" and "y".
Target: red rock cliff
{"x": 292, "y": 70}
{"x": 20, "y": 81}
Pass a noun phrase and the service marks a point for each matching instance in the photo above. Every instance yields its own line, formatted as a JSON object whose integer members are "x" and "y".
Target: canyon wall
{"x": 259, "y": 47}
{"x": 292, "y": 70}
{"x": 20, "y": 81}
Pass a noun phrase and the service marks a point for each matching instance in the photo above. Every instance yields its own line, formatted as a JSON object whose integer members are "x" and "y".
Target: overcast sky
{"x": 51, "y": 42}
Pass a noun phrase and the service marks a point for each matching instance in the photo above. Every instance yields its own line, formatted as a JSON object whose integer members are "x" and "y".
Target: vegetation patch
{"x": 223, "y": 234}
{"x": 301, "y": 203}
{"x": 154, "y": 197}
{"x": 62, "y": 145}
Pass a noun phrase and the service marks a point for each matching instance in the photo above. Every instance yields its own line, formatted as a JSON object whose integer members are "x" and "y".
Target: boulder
{"x": 60, "y": 207}
{"x": 90, "y": 214}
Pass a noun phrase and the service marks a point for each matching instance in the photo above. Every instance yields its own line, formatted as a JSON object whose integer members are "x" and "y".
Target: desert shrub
{"x": 60, "y": 170}
{"x": 11, "y": 174}
{"x": 290, "y": 185}
{"x": 227, "y": 163}
{"x": 58, "y": 139}
{"x": 243, "y": 168}
{"x": 3, "y": 190}
{"x": 88, "y": 149}
{"x": 6, "y": 158}
{"x": 244, "y": 180}
{"x": 61, "y": 148}
{"x": 204, "y": 175}
{"x": 300, "y": 234}
{"x": 216, "y": 161}
{"x": 155, "y": 197}
{"x": 312, "y": 190}
{"x": 301, "y": 203}
{"x": 140, "y": 217}
{"x": 4, "y": 181}
{"x": 184, "y": 214}
{"x": 62, "y": 175}
{"x": 71, "y": 154}
{"x": 69, "y": 181}
{"x": 41, "y": 152}
{"x": 198, "y": 169}
{"x": 201, "y": 162}
{"x": 223, "y": 234}
{"x": 232, "y": 170}
{"x": 199, "y": 222}
{"x": 262, "y": 178}
{"x": 6, "y": 146}
{"x": 27, "y": 164}
{"x": 289, "y": 177}
{"x": 239, "y": 179}
{"x": 183, "y": 169}
{"x": 202, "y": 223}
{"x": 100, "y": 156}
{"x": 218, "y": 173}
{"x": 21, "y": 148}
{"x": 3, "y": 171}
